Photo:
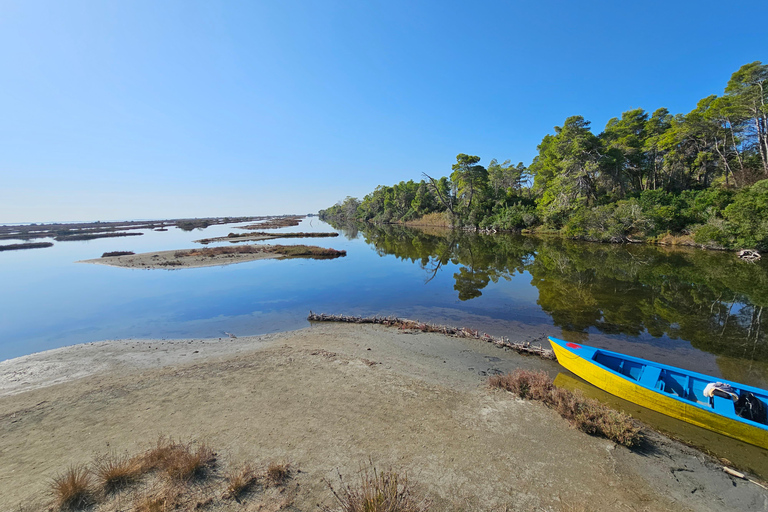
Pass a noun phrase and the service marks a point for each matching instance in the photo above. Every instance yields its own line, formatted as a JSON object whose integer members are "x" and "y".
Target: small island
{"x": 214, "y": 256}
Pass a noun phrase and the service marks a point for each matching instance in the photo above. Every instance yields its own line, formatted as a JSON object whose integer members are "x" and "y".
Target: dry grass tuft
{"x": 179, "y": 461}
{"x": 72, "y": 489}
{"x": 524, "y": 383}
{"x": 166, "y": 499}
{"x": 278, "y": 473}
{"x": 240, "y": 481}
{"x": 586, "y": 414}
{"x": 377, "y": 491}
{"x": 187, "y": 464}
{"x": 116, "y": 472}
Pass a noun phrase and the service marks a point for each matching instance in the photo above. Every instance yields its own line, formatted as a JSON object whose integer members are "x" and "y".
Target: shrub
{"x": 747, "y": 217}
{"x": 711, "y": 235}
{"x": 586, "y": 414}
{"x": 511, "y": 218}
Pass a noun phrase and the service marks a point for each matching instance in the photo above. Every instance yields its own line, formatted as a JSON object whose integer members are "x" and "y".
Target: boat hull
{"x": 678, "y": 408}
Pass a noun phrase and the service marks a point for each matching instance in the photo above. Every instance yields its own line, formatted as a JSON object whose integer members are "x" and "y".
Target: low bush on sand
{"x": 376, "y": 491}
{"x": 586, "y": 414}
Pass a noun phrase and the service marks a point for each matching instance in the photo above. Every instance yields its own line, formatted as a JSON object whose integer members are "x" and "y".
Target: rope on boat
{"x": 460, "y": 332}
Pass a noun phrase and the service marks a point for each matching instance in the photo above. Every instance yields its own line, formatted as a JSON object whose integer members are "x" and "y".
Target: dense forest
{"x": 699, "y": 178}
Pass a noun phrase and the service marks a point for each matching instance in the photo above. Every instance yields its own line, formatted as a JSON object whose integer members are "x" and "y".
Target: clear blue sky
{"x": 157, "y": 109}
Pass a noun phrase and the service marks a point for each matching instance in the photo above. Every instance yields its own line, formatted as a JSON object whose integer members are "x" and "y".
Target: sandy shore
{"x": 333, "y": 396}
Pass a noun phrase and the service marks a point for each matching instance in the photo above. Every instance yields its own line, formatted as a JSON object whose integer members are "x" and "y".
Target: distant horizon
{"x": 150, "y": 219}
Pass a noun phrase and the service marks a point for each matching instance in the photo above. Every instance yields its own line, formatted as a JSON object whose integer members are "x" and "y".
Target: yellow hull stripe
{"x": 657, "y": 401}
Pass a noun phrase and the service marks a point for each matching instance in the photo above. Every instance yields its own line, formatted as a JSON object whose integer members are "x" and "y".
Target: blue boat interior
{"x": 678, "y": 384}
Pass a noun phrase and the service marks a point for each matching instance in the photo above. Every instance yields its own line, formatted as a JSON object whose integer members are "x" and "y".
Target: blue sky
{"x": 146, "y": 109}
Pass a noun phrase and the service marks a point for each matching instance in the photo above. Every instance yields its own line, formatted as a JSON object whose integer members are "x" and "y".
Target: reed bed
{"x": 460, "y": 332}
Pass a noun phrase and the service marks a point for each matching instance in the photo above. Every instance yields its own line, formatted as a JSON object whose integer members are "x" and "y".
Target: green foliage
{"x": 710, "y": 235}
{"x": 511, "y": 218}
{"x": 616, "y": 222}
{"x": 747, "y": 217}
{"x": 643, "y": 176}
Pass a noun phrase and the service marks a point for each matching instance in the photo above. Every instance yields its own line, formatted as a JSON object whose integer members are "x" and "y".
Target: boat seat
{"x": 650, "y": 376}
{"x": 723, "y": 405}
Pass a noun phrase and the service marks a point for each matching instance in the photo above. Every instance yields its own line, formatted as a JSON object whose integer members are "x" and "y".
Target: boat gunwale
{"x": 762, "y": 394}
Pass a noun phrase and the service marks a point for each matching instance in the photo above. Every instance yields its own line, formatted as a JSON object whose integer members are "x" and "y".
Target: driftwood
{"x": 460, "y": 332}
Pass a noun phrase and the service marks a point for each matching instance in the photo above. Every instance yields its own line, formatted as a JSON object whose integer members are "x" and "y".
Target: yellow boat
{"x": 738, "y": 412}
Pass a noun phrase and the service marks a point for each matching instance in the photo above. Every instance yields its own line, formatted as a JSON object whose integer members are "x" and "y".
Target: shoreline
{"x": 329, "y": 397}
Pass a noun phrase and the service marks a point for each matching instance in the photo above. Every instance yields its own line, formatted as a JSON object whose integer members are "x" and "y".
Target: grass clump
{"x": 180, "y": 462}
{"x": 376, "y": 491}
{"x": 277, "y": 473}
{"x": 240, "y": 481}
{"x": 116, "y": 472}
{"x": 72, "y": 489}
{"x": 166, "y": 499}
{"x": 586, "y": 414}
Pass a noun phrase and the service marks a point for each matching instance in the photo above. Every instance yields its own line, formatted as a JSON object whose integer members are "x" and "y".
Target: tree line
{"x": 701, "y": 177}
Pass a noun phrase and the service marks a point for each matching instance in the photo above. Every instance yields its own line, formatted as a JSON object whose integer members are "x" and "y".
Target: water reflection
{"x": 711, "y": 299}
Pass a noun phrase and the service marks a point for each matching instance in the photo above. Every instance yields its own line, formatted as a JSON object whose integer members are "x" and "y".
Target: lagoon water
{"x": 696, "y": 309}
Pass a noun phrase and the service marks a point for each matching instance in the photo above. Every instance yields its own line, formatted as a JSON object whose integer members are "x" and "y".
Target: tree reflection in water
{"x": 711, "y": 299}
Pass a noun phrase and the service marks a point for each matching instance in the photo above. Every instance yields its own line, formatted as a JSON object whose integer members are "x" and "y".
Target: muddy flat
{"x": 330, "y": 398}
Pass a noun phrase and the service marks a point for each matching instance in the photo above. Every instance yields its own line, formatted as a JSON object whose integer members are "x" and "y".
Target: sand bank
{"x": 172, "y": 260}
{"x": 215, "y": 256}
{"x": 329, "y": 397}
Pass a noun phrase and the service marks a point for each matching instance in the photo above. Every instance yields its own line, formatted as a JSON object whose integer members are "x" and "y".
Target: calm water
{"x": 700, "y": 310}
{"x": 697, "y": 309}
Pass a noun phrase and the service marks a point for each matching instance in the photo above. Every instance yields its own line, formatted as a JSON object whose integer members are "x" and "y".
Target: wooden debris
{"x": 460, "y": 332}
{"x": 738, "y": 474}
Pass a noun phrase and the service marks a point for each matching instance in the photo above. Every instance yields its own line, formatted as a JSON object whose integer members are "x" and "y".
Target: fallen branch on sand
{"x": 460, "y": 332}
